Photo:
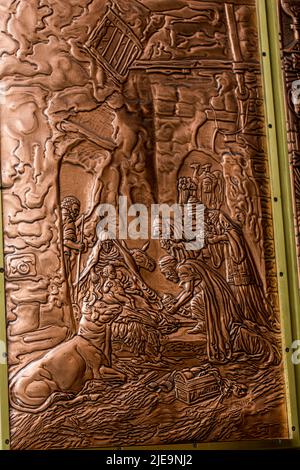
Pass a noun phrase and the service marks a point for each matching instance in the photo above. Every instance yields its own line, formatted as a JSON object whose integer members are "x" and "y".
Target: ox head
{"x": 88, "y": 303}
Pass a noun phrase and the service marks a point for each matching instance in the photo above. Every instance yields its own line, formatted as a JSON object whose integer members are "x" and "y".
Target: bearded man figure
{"x": 229, "y": 336}
{"x": 70, "y": 209}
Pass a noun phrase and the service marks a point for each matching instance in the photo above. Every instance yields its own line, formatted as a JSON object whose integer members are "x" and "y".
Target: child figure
{"x": 114, "y": 289}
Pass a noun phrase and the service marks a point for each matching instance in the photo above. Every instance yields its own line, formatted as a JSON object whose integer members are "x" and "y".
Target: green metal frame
{"x": 284, "y": 246}
{"x": 4, "y": 403}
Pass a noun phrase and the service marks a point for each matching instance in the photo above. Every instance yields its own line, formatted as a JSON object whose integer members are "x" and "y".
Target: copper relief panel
{"x": 290, "y": 44}
{"x": 121, "y": 341}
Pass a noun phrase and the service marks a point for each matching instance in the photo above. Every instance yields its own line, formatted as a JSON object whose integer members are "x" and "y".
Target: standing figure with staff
{"x": 70, "y": 208}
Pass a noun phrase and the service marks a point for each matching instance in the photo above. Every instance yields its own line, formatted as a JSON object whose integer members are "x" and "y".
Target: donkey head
{"x": 142, "y": 259}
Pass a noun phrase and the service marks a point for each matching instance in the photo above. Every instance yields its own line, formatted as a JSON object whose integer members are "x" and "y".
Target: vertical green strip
{"x": 4, "y": 403}
{"x": 285, "y": 247}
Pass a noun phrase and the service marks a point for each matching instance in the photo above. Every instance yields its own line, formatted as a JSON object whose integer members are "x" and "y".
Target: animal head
{"x": 142, "y": 259}
{"x": 88, "y": 303}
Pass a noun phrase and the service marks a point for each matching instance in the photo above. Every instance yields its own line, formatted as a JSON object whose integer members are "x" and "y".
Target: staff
{"x": 79, "y": 260}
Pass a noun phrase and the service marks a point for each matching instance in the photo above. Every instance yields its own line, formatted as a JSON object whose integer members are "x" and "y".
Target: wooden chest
{"x": 192, "y": 386}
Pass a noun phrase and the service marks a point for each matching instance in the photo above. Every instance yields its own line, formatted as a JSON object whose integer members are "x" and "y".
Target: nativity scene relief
{"x": 145, "y": 340}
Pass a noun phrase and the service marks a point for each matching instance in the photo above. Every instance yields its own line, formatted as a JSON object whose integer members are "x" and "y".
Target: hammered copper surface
{"x": 290, "y": 42}
{"x": 137, "y": 342}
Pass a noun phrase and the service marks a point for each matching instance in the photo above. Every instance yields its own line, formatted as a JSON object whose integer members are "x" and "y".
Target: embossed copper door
{"x": 290, "y": 41}
{"x": 131, "y": 342}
